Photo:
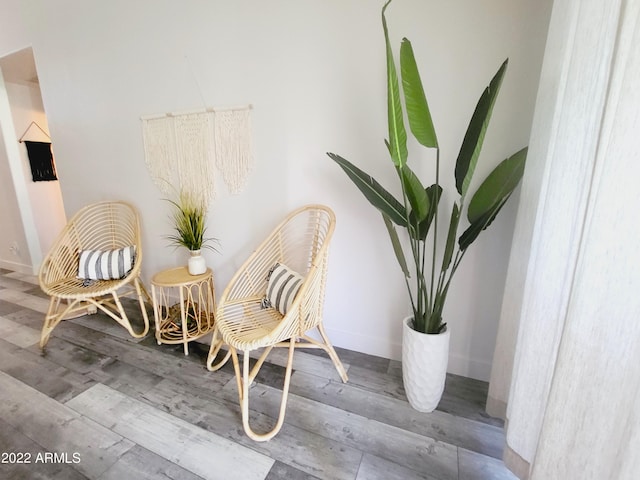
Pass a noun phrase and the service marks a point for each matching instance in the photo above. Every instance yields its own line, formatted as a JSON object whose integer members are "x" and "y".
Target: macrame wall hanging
{"x": 43, "y": 168}
{"x": 233, "y": 158}
{"x": 41, "y": 161}
{"x": 183, "y": 149}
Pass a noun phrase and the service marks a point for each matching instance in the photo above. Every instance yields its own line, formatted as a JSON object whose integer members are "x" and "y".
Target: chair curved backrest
{"x": 107, "y": 225}
{"x": 102, "y": 226}
{"x": 301, "y": 242}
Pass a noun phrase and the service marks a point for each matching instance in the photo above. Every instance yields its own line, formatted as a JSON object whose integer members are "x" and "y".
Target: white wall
{"x": 45, "y": 197}
{"x": 11, "y": 231}
{"x": 16, "y": 225}
{"x": 314, "y": 72}
{"x": 13, "y": 36}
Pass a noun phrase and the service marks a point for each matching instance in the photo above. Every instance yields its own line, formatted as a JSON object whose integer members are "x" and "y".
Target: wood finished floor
{"x": 99, "y": 405}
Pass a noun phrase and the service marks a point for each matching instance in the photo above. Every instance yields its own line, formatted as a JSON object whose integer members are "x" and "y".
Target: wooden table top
{"x": 175, "y": 277}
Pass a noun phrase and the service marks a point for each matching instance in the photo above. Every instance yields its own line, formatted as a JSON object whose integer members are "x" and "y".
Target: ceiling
{"x": 19, "y": 67}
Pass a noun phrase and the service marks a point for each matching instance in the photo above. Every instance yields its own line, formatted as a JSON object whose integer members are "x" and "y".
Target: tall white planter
{"x": 424, "y": 366}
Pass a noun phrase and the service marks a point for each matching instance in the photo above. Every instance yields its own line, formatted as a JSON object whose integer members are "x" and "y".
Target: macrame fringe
{"x": 233, "y": 147}
{"x": 181, "y": 151}
{"x": 194, "y": 153}
{"x": 160, "y": 152}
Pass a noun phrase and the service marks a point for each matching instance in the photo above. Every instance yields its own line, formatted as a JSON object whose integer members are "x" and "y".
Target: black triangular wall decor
{"x": 41, "y": 160}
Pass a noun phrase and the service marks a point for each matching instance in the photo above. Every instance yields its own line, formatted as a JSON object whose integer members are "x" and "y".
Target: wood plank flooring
{"x": 99, "y": 405}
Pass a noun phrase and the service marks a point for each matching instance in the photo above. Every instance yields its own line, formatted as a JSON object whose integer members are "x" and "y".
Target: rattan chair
{"x": 301, "y": 242}
{"x": 102, "y": 226}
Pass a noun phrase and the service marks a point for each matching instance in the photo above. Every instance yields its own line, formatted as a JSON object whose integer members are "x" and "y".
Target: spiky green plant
{"x": 189, "y": 215}
{"x": 418, "y": 209}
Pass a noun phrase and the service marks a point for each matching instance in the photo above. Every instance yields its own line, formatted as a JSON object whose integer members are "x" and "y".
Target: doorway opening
{"x": 31, "y": 212}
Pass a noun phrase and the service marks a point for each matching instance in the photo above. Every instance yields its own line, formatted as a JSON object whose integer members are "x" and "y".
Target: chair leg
{"x": 51, "y": 320}
{"x": 140, "y": 290}
{"x": 245, "y": 385}
{"x": 327, "y": 347}
{"x": 122, "y": 319}
{"x": 56, "y": 313}
{"x": 216, "y": 344}
{"x": 120, "y": 315}
{"x": 332, "y": 354}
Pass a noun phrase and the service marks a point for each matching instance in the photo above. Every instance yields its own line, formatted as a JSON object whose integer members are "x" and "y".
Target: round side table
{"x": 183, "y": 305}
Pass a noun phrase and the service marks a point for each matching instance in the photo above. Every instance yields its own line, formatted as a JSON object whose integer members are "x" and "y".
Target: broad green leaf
{"x": 481, "y": 223}
{"x": 397, "y": 247}
{"x": 397, "y": 132}
{"x": 415, "y": 100}
{"x": 414, "y": 227}
{"x": 492, "y": 195}
{"x": 415, "y": 192}
{"x": 498, "y": 185}
{"x": 373, "y": 191}
{"x": 451, "y": 237}
{"x": 434, "y": 193}
{"x": 474, "y": 138}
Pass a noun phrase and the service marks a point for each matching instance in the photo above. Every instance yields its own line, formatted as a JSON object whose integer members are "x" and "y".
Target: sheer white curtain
{"x": 567, "y": 363}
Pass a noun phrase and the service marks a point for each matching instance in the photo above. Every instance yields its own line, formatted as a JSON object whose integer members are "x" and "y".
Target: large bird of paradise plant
{"x": 428, "y": 276}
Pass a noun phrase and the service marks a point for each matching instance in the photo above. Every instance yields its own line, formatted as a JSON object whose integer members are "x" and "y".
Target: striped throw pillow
{"x": 106, "y": 265}
{"x": 282, "y": 288}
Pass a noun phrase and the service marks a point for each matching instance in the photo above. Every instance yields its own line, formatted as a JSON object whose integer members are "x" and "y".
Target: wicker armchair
{"x": 301, "y": 243}
{"x": 103, "y": 226}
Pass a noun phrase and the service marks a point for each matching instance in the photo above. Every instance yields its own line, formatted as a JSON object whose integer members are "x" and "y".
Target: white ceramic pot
{"x": 424, "y": 366}
{"x": 197, "y": 264}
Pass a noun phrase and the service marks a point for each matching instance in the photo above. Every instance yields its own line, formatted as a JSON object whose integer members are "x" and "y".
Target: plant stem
{"x": 420, "y": 287}
{"x": 423, "y": 252}
{"x": 456, "y": 263}
{"x": 435, "y": 231}
{"x": 414, "y": 243}
{"x": 413, "y": 305}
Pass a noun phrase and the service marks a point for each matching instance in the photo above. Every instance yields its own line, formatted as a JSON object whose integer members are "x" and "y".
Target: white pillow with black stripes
{"x": 282, "y": 287}
{"x": 106, "y": 265}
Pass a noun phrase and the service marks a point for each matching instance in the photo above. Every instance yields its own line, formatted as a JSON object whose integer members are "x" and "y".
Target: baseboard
{"x": 514, "y": 462}
{"x": 496, "y": 408}
{"x": 365, "y": 344}
{"x": 469, "y": 367}
{"x": 381, "y": 347}
{"x": 17, "y": 267}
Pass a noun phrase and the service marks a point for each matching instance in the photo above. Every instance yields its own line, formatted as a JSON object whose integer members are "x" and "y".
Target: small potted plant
{"x": 428, "y": 267}
{"x": 189, "y": 215}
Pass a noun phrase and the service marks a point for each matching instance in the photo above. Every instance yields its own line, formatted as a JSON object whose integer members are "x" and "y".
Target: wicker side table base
{"x": 183, "y": 306}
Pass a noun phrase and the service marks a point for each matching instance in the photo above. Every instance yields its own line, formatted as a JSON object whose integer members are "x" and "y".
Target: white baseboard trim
{"x": 469, "y": 367}
{"x": 381, "y": 347}
{"x": 17, "y": 267}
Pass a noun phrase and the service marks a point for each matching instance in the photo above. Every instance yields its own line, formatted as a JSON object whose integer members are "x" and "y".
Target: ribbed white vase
{"x": 197, "y": 264}
{"x": 424, "y": 366}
